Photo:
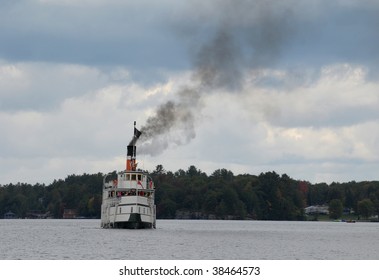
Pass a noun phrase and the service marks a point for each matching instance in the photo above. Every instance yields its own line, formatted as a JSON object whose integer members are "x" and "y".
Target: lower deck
{"x": 128, "y": 214}
{"x": 134, "y": 221}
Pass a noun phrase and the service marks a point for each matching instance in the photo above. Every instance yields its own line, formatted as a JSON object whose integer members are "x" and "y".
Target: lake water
{"x": 189, "y": 239}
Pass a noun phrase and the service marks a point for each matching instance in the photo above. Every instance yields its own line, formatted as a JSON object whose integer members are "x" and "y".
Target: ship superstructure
{"x": 128, "y": 201}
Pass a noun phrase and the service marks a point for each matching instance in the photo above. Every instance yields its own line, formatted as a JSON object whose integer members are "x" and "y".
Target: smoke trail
{"x": 215, "y": 67}
{"x": 179, "y": 116}
{"x": 219, "y": 63}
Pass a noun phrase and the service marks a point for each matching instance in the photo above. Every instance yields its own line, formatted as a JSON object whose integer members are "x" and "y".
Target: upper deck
{"x": 130, "y": 180}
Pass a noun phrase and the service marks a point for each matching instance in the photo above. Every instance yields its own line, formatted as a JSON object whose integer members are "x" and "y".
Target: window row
{"x": 133, "y": 177}
{"x": 133, "y": 192}
{"x": 145, "y": 210}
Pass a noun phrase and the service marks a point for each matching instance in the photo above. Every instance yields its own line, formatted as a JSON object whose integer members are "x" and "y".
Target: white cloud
{"x": 341, "y": 95}
{"x": 42, "y": 86}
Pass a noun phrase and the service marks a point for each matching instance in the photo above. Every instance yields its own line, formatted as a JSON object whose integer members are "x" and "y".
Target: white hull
{"x": 128, "y": 202}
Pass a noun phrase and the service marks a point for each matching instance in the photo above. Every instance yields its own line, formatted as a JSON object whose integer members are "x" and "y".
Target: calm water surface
{"x": 189, "y": 239}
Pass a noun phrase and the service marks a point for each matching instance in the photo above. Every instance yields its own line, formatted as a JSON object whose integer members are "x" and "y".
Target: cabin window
{"x": 139, "y": 177}
{"x": 131, "y": 209}
{"x": 120, "y": 210}
{"x": 134, "y": 176}
{"x": 139, "y": 209}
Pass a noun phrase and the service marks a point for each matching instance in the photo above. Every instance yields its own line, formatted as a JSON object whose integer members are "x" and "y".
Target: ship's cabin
{"x": 130, "y": 180}
{"x": 132, "y": 176}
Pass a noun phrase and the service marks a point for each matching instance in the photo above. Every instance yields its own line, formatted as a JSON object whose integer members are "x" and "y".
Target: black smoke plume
{"x": 239, "y": 43}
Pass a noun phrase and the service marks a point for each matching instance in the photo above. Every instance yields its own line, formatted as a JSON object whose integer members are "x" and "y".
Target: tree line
{"x": 192, "y": 194}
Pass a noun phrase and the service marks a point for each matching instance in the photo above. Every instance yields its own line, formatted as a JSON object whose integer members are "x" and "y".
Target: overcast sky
{"x": 289, "y": 86}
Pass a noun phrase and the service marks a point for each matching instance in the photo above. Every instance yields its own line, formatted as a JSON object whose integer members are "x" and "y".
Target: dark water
{"x": 189, "y": 239}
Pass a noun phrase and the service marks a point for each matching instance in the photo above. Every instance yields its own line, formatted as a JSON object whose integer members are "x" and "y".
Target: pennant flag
{"x": 139, "y": 183}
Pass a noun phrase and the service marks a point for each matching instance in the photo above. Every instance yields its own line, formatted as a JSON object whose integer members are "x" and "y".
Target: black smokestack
{"x": 131, "y": 152}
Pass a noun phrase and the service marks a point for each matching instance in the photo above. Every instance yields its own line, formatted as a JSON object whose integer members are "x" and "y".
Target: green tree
{"x": 224, "y": 174}
{"x": 159, "y": 170}
{"x": 167, "y": 209}
{"x": 335, "y": 208}
{"x": 365, "y": 208}
{"x": 317, "y": 194}
{"x": 375, "y": 200}
{"x": 210, "y": 202}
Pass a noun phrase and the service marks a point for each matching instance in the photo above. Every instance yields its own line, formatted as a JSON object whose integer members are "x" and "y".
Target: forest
{"x": 192, "y": 194}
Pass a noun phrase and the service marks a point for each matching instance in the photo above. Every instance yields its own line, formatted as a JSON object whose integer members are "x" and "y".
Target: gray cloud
{"x": 104, "y": 33}
{"x": 44, "y": 86}
{"x": 289, "y": 32}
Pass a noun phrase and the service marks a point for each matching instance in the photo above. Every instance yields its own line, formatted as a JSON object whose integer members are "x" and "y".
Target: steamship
{"x": 128, "y": 201}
